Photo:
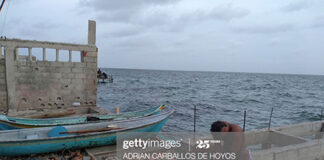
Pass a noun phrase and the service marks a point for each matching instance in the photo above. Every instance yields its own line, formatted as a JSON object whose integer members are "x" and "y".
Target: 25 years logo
{"x": 205, "y": 144}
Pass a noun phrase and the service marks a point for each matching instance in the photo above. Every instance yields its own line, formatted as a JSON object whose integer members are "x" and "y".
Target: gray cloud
{"x": 275, "y": 41}
{"x": 123, "y": 31}
{"x": 142, "y": 12}
{"x": 318, "y": 22}
{"x": 218, "y": 13}
{"x": 295, "y": 6}
{"x": 122, "y": 5}
{"x": 263, "y": 29}
{"x": 44, "y": 26}
{"x": 121, "y": 10}
{"x": 228, "y": 13}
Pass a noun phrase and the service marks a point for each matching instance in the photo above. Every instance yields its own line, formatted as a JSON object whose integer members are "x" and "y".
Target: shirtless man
{"x": 239, "y": 146}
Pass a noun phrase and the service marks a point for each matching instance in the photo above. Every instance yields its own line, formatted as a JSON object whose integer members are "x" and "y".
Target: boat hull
{"x": 37, "y": 146}
{"x": 8, "y": 123}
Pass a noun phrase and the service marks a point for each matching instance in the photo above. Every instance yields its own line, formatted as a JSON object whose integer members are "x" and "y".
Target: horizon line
{"x": 176, "y": 70}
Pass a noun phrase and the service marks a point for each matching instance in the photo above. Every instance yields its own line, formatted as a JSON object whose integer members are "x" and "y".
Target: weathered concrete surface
{"x": 30, "y": 84}
{"x": 290, "y": 142}
{"x": 3, "y": 86}
{"x": 92, "y": 32}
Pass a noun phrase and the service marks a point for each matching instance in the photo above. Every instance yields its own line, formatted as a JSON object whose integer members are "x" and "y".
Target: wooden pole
{"x": 321, "y": 114}
{"x": 194, "y": 118}
{"x": 269, "y": 125}
{"x": 117, "y": 110}
{"x": 244, "y": 121}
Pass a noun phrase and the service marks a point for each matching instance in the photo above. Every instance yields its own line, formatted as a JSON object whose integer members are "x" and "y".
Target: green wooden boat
{"x": 52, "y": 139}
{"x": 7, "y": 123}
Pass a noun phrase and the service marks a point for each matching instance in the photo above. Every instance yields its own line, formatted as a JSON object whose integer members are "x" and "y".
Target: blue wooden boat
{"x": 7, "y": 123}
{"x": 52, "y": 139}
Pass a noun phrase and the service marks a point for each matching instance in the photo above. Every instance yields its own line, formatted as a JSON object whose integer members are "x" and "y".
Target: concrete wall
{"x": 3, "y": 87}
{"x": 28, "y": 82}
{"x": 289, "y": 142}
{"x": 44, "y": 84}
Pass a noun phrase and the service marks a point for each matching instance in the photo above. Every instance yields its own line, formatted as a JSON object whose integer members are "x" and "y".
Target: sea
{"x": 217, "y": 96}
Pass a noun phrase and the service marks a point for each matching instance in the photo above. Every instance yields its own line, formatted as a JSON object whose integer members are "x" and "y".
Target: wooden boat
{"x": 42, "y": 140}
{"x": 7, "y": 123}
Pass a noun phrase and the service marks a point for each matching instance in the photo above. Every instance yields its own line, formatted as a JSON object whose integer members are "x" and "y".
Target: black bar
{"x": 244, "y": 121}
{"x": 270, "y": 119}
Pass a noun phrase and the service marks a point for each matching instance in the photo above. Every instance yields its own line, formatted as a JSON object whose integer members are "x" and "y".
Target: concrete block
{"x": 3, "y": 87}
{"x": 63, "y": 70}
{"x": 2, "y": 81}
{"x": 36, "y": 69}
{"x": 56, "y": 64}
{"x": 24, "y": 69}
{"x": 79, "y": 64}
{"x": 77, "y": 83}
{"x": 3, "y": 93}
{"x": 2, "y": 68}
{"x": 43, "y": 63}
{"x": 90, "y": 70}
{"x": 43, "y": 75}
{"x": 91, "y": 65}
{"x": 68, "y": 64}
{"x": 25, "y": 75}
{"x": 46, "y": 69}
{"x": 68, "y": 75}
{"x": 31, "y": 63}
{"x": 80, "y": 75}
{"x": 24, "y": 81}
{"x": 77, "y": 70}
{"x": 91, "y": 76}
{"x": 92, "y": 54}
{"x": 2, "y": 75}
{"x": 90, "y": 59}
{"x": 65, "y": 81}
{"x": 21, "y": 63}
{"x": 55, "y": 75}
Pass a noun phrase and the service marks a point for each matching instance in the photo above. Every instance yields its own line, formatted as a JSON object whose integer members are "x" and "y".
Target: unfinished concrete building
{"x": 32, "y": 85}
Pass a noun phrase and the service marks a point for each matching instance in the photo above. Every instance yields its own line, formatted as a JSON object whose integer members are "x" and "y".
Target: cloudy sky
{"x": 265, "y": 36}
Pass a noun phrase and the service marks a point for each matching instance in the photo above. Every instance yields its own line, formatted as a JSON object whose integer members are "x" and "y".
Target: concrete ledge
{"x": 301, "y": 129}
{"x": 46, "y": 44}
{"x": 305, "y": 151}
